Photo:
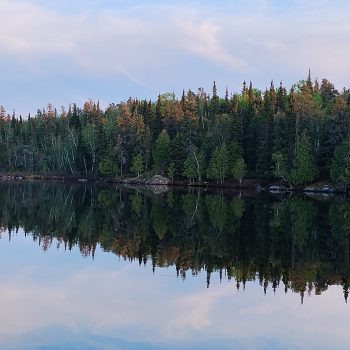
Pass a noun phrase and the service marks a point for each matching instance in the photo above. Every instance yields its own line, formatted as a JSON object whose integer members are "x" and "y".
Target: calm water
{"x": 116, "y": 268}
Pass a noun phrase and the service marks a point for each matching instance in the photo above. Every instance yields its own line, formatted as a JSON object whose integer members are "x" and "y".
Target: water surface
{"x": 116, "y": 268}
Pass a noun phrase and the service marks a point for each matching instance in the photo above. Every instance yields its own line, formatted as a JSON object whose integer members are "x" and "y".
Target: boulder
{"x": 158, "y": 180}
{"x": 159, "y": 189}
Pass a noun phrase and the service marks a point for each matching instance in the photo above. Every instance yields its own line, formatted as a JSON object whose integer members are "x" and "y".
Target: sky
{"x": 65, "y": 51}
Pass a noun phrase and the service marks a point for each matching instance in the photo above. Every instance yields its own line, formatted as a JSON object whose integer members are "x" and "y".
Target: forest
{"x": 294, "y": 243}
{"x": 300, "y": 136}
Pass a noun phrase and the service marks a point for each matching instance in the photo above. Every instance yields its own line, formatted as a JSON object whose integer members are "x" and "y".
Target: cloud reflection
{"x": 128, "y": 307}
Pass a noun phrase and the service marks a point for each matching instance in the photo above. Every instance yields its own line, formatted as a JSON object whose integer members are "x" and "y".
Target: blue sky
{"x": 62, "y": 51}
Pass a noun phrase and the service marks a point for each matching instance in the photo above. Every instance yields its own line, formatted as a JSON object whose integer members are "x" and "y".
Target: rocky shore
{"x": 157, "y": 180}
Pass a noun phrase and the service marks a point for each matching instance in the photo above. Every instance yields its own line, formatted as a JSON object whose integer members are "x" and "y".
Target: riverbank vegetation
{"x": 298, "y": 136}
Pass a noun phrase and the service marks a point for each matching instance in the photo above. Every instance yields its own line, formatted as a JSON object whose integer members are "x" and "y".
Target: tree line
{"x": 300, "y": 135}
{"x": 295, "y": 243}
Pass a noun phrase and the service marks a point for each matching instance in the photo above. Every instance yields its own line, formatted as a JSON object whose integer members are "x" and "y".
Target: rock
{"x": 158, "y": 180}
{"x": 159, "y": 189}
{"x": 281, "y": 186}
{"x": 324, "y": 188}
{"x": 277, "y": 189}
{"x": 134, "y": 180}
{"x": 310, "y": 189}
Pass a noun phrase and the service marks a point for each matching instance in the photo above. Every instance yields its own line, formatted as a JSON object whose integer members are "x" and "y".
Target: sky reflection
{"x": 61, "y": 300}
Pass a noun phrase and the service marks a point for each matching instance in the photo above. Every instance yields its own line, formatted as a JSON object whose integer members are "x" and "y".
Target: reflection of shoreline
{"x": 251, "y": 186}
{"x": 79, "y": 299}
{"x": 294, "y": 242}
{"x": 167, "y": 259}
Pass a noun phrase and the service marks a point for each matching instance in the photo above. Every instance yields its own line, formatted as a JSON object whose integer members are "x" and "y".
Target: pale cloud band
{"x": 146, "y": 41}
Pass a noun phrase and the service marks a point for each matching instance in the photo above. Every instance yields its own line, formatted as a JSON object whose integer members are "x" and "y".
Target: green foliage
{"x": 107, "y": 167}
{"x": 178, "y": 154}
{"x": 162, "y": 150}
{"x": 237, "y": 208}
{"x": 192, "y": 207}
{"x": 137, "y": 165}
{"x": 340, "y": 167}
{"x": 304, "y": 167}
{"x": 339, "y": 218}
{"x": 171, "y": 170}
{"x": 218, "y": 211}
{"x": 160, "y": 220}
{"x": 194, "y": 166}
{"x": 219, "y": 164}
{"x": 239, "y": 169}
{"x": 190, "y": 168}
{"x": 302, "y": 216}
{"x": 294, "y": 243}
{"x": 136, "y": 203}
{"x": 106, "y": 198}
{"x": 279, "y": 133}
{"x": 280, "y": 165}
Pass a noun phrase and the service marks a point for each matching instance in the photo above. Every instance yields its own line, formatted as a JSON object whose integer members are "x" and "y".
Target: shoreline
{"x": 324, "y": 187}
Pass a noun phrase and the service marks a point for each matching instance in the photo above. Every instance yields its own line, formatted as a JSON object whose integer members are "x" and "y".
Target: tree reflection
{"x": 297, "y": 243}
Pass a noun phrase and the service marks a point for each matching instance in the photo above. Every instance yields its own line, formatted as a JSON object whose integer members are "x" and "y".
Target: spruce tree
{"x": 239, "y": 169}
{"x": 304, "y": 167}
{"x": 219, "y": 164}
{"x": 161, "y": 151}
{"x": 340, "y": 167}
{"x": 215, "y": 101}
{"x": 137, "y": 165}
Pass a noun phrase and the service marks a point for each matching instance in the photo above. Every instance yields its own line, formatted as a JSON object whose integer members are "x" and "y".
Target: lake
{"x": 86, "y": 267}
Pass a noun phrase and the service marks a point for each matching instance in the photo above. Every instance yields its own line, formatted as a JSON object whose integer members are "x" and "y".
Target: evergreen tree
{"x": 137, "y": 165}
{"x": 194, "y": 166}
{"x": 215, "y": 101}
{"x": 304, "y": 167}
{"x": 190, "y": 168}
{"x": 178, "y": 154}
{"x": 340, "y": 167}
{"x": 280, "y": 169}
{"x": 162, "y": 151}
{"x": 171, "y": 171}
{"x": 219, "y": 164}
{"x": 267, "y": 130}
{"x": 239, "y": 169}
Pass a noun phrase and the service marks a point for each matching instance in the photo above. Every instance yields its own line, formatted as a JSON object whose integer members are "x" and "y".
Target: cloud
{"x": 99, "y": 302}
{"x": 146, "y": 36}
{"x": 108, "y": 43}
{"x": 203, "y": 39}
{"x": 170, "y": 45}
{"x": 45, "y": 295}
